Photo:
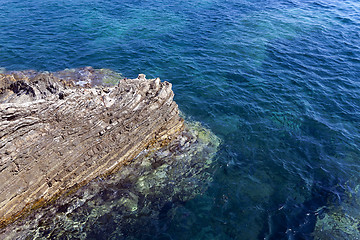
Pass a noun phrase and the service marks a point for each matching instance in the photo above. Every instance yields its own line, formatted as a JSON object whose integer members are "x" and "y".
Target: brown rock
{"x": 55, "y": 136}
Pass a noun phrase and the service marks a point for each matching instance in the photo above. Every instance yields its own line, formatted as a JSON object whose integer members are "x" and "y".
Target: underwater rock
{"x": 59, "y": 131}
{"x": 342, "y": 220}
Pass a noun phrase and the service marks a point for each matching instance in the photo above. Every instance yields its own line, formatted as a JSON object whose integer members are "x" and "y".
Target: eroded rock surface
{"x": 58, "y": 133}
{"x": 136, "y": 202}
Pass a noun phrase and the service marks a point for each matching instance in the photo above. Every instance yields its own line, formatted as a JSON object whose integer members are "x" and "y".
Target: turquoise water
{"x": 277, "y": 81}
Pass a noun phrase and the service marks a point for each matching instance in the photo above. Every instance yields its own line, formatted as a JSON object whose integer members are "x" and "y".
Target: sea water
{"x": 278, "y": 81}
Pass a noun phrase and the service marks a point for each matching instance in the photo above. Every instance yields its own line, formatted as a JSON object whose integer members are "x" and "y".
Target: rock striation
{"x": 136, "y": 201}
{"x": 58, "y": 133}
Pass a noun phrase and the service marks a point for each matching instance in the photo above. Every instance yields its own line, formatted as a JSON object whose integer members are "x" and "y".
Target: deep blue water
{"x": 277, "y": 80}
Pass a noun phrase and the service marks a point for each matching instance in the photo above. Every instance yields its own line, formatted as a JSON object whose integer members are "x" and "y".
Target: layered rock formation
{"x": 136, "y": 202}
{"x": 58, "y": 133}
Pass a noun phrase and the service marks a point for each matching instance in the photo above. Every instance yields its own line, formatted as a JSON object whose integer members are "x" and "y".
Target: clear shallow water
{"x": 277, "y": 81}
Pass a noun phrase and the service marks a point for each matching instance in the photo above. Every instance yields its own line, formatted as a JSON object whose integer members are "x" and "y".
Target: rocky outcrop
{"x": 57, "y": 133}
{"x": 135, "y": 202}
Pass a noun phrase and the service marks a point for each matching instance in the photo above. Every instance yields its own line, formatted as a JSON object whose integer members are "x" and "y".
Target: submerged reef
{"x": 341, "y": 220}
{"x": 80, "y": 154}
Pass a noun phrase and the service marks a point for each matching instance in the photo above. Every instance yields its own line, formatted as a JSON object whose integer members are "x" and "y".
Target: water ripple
{"x": 278, "y": 81}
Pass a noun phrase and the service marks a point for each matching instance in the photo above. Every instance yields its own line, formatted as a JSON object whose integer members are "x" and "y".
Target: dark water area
{"x": 277, "y": 81}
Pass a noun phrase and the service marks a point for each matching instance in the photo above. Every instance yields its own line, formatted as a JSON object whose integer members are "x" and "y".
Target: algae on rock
{"x": 340, "y": 221}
